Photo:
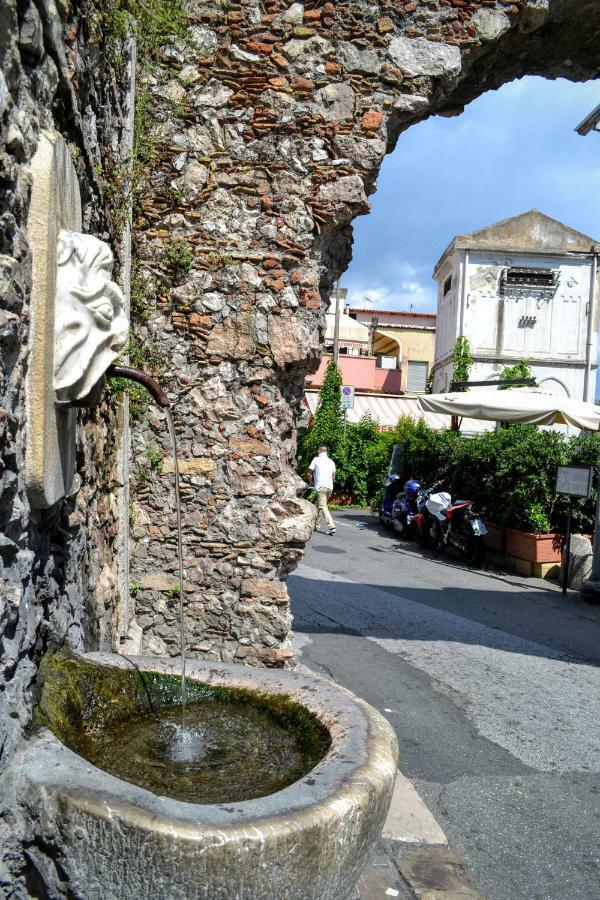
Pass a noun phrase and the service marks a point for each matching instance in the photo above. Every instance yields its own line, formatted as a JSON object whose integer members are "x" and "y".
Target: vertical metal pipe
{"x": 591, "y": 588}
{"x": 565, "y": 583}
{"x": 595, "y": 576}
{"x": 589, "y": 346}
{"x": 336, "y": 332}
{"x": 463, "y": 294}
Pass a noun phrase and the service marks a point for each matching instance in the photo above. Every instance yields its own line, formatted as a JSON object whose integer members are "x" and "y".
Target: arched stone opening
{"x": 269, "y": 127}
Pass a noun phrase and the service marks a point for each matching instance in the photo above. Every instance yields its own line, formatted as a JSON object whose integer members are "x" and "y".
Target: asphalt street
{"x": 492, "y": 683}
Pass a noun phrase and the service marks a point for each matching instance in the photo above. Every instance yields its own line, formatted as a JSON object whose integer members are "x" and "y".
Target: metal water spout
{"x": 161, "y": 399}
{"x": 151, "y": 385}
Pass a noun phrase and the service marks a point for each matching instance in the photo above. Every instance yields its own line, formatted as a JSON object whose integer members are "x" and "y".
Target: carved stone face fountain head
{"x": 78, "y": 321}
{"x": 91, "y": 327}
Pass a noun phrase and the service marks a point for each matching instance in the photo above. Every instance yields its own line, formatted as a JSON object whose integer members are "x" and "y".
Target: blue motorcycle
{"x": 392, "y": 484}
{"x": 405, "y": 507}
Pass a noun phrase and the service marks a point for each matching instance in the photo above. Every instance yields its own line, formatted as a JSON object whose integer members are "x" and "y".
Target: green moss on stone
{"x": 80, "y": 699}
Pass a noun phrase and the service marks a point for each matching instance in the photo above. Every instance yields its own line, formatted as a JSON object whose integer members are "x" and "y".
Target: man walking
{"x": 321, "y": 473}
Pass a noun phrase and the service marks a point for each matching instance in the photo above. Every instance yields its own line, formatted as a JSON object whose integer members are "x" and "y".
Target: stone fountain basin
{"x": 308, "y": 841}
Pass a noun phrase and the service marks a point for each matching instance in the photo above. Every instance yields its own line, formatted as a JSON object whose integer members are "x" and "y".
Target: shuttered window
{"x": 416, "y": 379}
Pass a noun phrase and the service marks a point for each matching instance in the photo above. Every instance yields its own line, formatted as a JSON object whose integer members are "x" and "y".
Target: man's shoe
{"x": 331, "y": 531}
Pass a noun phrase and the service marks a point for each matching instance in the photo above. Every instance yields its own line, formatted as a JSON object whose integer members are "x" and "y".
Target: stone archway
{"x": 269, "y": 125}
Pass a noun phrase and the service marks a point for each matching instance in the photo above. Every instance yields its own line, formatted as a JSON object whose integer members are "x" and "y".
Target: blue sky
{"x": 511, "y": 150}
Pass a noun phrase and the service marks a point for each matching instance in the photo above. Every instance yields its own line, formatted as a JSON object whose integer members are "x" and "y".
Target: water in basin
{"x": 237, "y": 743}
{"x": 226, "y": 753}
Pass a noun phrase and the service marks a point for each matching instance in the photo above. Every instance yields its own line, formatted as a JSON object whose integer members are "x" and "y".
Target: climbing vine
{"x": 462, "y": 360}
{"x": 520, "y": 370}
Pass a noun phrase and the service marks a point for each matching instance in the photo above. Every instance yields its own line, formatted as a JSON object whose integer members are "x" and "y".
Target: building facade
{"x": 399, "y": 342}
{"x": 523, "y": 289}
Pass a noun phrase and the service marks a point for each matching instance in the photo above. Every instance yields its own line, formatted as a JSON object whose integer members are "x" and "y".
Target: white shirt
{"x": 323, "y": 470}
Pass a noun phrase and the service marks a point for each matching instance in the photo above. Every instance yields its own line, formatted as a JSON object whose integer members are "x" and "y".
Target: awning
{"x": 386, "y": 409}
{"x": 515, "y": 405}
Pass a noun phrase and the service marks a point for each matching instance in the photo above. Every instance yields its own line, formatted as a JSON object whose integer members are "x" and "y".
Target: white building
{"x": 523, "y": 289}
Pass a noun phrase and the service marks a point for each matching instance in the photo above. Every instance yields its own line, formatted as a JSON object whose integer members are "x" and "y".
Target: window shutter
{"x": 417, "y": 376}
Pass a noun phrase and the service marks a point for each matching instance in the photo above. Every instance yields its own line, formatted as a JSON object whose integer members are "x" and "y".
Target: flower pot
{"x": 495, "y": 539}
{"x": 535, "y": 548}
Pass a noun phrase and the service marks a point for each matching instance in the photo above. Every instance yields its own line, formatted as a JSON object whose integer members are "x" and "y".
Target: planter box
{"x": 495, "y": 539}
{"x": 343, "y": 500}
{"x": 535, "y": 548}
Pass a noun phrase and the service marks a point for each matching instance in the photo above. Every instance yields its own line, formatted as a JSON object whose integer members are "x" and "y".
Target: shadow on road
{"x": 378, "y": 614}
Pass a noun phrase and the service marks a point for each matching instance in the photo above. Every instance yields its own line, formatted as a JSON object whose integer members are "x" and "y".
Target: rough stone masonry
{"x": 57, "y": 566}
{"x": 268, "y": 123}
{"x": 264, "y": 129}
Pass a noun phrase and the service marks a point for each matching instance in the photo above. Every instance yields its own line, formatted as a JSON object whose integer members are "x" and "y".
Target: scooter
{"x": 405, "y": 507}
{"x": 457, "y": 525}
{"x": 392, "y": 485}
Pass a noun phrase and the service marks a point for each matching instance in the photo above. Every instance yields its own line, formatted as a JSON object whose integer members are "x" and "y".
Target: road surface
{"x": 492, "y": 683}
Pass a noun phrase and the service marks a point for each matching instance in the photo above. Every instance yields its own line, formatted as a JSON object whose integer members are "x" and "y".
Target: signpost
{"x": 574, "y": 481}
{"x": 347, "y": 401}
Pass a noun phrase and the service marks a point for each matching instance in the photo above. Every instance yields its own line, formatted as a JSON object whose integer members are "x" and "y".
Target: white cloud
{"x": 511, "y": 150}
{"x": 398, "y": 286}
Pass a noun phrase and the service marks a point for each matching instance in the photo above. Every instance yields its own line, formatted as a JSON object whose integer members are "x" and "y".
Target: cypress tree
{"x": 328, "y": 424}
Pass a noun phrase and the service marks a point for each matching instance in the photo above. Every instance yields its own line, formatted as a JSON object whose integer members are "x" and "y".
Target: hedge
{"x": 509, "y": 474}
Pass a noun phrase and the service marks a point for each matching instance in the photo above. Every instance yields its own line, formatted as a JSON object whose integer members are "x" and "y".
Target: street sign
{"x": 576, "y": 481}
{"x": 347, "y": 401}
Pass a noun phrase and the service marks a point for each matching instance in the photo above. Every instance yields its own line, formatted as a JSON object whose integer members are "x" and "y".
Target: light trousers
{"x": 323, "y": 495}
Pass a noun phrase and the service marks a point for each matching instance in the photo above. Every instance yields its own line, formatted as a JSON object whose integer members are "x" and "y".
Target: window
{"x": 447, "y": 284}
{"x": 416, "y": 378}
{"x": 540, "y": 282}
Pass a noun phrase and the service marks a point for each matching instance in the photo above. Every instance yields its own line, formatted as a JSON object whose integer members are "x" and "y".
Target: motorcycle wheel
{"x": 474, "y": 551}
{"x": 421, "y": 536}
{"x": 435, "y": 541}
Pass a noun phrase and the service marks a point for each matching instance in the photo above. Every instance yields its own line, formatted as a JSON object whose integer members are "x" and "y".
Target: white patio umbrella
{"x": 515, "y": 405}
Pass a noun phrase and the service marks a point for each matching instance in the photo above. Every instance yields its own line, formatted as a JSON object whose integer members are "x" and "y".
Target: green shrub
{"x": 509, "y": 474}
{"x": 520, "y": 370}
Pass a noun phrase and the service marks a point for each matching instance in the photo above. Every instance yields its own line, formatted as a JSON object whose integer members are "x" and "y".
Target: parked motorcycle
{"x": 422, "y": 523}
{"x": 392, "y": 485}
{"x": 405, "y": 507}
{"x": 440, "y": 523}
{"x": 456, "y": 524}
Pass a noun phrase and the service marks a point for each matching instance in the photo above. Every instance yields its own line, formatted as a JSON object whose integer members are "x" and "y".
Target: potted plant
{"x": 537, "y": 545}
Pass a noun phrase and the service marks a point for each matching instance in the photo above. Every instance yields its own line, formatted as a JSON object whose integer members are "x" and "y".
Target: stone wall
{"x": 265, "y": 127}
{"x": 57, "y": 580}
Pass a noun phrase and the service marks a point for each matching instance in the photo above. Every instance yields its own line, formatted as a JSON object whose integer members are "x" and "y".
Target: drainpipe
{"x": 463, "y": 293}
{"x": 587, "y": 382}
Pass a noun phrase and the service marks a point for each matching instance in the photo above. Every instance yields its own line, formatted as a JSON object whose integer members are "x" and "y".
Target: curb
{"x": 413, "y": 859}
{"x": 409, "y": 820}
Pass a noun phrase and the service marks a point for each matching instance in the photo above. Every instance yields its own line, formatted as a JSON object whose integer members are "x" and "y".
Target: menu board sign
{"x": 576, "y": 481}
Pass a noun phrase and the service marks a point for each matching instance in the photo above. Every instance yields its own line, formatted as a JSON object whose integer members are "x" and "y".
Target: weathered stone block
{"x": 258, "y": 587}
{"x": 580, "y": 561}
{"x": 418, "y": 56}
{"x": 335, "y": 101}
{"x": 200, "y": 466}
{"x": 490, "y": 24}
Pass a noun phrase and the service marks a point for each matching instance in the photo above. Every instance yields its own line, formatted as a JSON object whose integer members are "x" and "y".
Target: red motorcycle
{"x": 442, "y": 523}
